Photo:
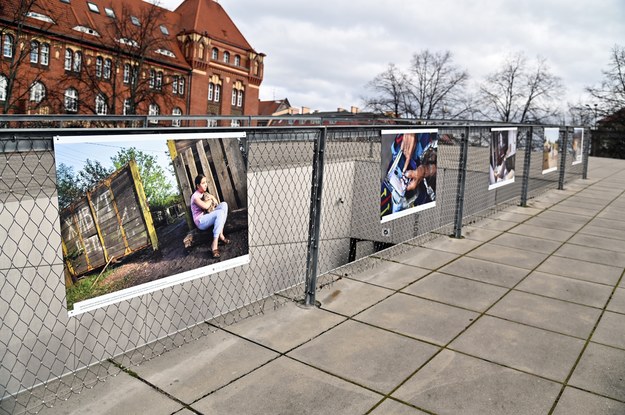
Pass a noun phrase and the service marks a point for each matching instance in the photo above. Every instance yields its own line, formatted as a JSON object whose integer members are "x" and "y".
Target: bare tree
{"x": 433, "y": 87}
{"x": 390, "y": 87}
{"x": 610, "y": 94}
{"x": 21, "y": 63}
{"x": 519, "y": 92}
{"x": 131, "y": 40}
{"x": 436, "y": 87}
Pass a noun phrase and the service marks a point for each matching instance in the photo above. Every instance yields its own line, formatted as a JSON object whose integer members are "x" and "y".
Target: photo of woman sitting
{"x": 208, "y": 212}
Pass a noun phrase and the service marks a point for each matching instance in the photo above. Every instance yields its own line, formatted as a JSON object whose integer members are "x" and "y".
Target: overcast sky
{"x": 321, "y": 54}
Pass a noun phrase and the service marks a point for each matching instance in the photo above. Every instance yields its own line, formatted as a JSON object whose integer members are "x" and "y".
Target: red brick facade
{"x": 124, "y": 56}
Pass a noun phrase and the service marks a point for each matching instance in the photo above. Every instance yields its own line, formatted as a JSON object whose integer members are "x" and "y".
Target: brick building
{"x": 125, "y": 57}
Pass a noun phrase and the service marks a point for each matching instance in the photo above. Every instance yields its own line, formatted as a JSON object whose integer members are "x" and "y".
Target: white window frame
{"x": 3, "y": 87}
{"x": 126, "y": 107}
{"x": 69, "y": 59}
{"x": 240, "y": 98}
{"x": 237, "y": 60}
{"x": 226, "y": 57}
{"x": 176, "y": 112}
{"x": 181, "y": 85}
{"x": 126, "y": 73}
{"x": 217, "y": 92}
{"x": 215, "y": 54}
{"x": 7, "y": 45}
{"x": 77, "y": 64}
{"x": 211, "y": 91}
{"x": 135, "y": 20}
{"x": 106, "y": 72}
{"x": 34, "y": 51}
{"x": 99, "y": 63}
{"x": 37, "y": 92}
{"x": 44, "y": 58}
{"x": 159, "y": 80}
{"x": 100, "y": 105}
{"x": 233, "y": 100}
{"x": 71, "y": 100}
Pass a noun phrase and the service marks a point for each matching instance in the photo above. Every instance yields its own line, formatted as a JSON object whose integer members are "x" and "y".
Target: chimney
{"x": 355, "y": 110}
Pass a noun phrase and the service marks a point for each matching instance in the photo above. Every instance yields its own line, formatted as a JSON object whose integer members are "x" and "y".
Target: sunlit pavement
{"x": 524, "y": 315}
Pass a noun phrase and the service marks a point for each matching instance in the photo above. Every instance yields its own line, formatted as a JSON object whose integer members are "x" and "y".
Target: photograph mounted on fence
{"x": 502, "y": 157}
{"x": 577, "y": 145}
{"x": 408, "y": 172}
{"x": 551, "y": 149}
{"x": 140, "y": 213}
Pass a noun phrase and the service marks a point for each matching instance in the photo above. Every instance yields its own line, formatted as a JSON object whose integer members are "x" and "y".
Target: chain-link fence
{"x": 314, "y": 202}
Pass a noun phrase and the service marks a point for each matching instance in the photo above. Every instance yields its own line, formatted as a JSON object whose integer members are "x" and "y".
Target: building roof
{"x": 102, "y": 29}
{"x": 269, "y": 108}
{"x": 207, "y": 16}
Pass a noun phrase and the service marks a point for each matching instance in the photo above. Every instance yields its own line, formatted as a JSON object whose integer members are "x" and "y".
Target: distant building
{"x": 341, "y": 116}
{"x": 125, "y": 57}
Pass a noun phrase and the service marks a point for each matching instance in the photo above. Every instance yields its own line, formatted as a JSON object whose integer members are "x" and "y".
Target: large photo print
{"x": 551, "y": 149}
{"x": 577, "y": 145}
{"x": 140, "y": 213}
{"x": 502, "y": 157}
{"x": 408, "y": 172}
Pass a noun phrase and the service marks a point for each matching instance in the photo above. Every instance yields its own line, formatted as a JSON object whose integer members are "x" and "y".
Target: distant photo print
{"x": 578, "y": 145}
{"x": 408, "y": 172}
{"x": 551, "y": 150}
{"x": 502, "y": 157}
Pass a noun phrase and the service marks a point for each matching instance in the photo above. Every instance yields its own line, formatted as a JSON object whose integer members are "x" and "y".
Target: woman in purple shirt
{"x": 207, "y": 212}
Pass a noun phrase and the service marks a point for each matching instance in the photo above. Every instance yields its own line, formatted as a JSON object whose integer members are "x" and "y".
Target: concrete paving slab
{"x": 453, "y": 245}
{"x": 617, "y": 303}
{"x": 608, "y": 233}
{"x": 425, "y": 258}
{"x": 567, "y": 289}
{"x": 577, "y": 209}
{"x": 521, "y": 347}
{"x": 204, "y": 365}
{"x": 122, "y": 394}
{"x": 287, "y": 327}
{"x": 391, "y": 275}
{"x": 418, "y": 318}
{"x": 489, "y": 272}
{"x": 611, "y": 330}
{"x": 611, "y": 212}
{"x": 516, "y": 217}
{"x": 565, "y": 217}
{"x": 526, "y": 243}
{"x": 479, "y": 234}
{"x": 541, "y": 232}
{"x": 287, "y": 387}
{"x": 558, "y": 224}
{"x": 508, "y": 256}
{"x": 453, "y": 383}
{"x": 460, "y": 292}
{"x": 598, "y": 242}
{"x": 381, "y": 361}
{"x": 594, "y": 255}
{"x": 392, "y": 407}
{"x": 546, "y": 313}
{"x": 581, "y": 270}
{"x": 529, "y": 211}
{"x": 349, "y": 297}
{"x": 495, "y": 224}
{"x": 608, "y": 223}
{"x": 601, "y": 370}
{"x": 576, "y": 402}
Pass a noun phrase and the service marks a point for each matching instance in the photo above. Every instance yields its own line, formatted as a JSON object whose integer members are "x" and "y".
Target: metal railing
{"x": 313, "y": 208}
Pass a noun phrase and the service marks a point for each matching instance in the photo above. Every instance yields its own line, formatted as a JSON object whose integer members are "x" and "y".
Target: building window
{"x": 34, "y": 52}
{"x": 176, "y": 112}
{"x": 174, "y": 85}
{"x": 7, "y": 46}
{"x": 153, "y": 110}
{"x": 68, "y": 59}
{"x": 127, "y": 110}
{"x": 214, "y": 54}
{"x": 107, "y": 68}
{"x": 217, "y": 93}
{"x": 135, "y": 20}
{"x": 3, "y": 88}
{"x": 152, "y": 81}
{"x": 45, "y": 54}
{"x": 235, "y": 123}
{"x": 109, "y": 12}
{"x": 211, "y": 91}
{"x": 93, "y": 7}
{"x": 233, "y": 101}
{"x": 164, "y": 30}
{"x": 201, "y": 52}
{"x": 130, "y": 74}
{"x": 99, "y": 63}
{"x": 71, "y": 100}
{"x": 100, "y": 105}
{"x": 181, "y": 86}
{"x": 240, "y": 99}
{"x": 237, "y": 60}
{"x": 226, "y": 57}
{"x": 159, "y": 80}
{"x": 77, "y": 64}
{"x": 37, "y": 92}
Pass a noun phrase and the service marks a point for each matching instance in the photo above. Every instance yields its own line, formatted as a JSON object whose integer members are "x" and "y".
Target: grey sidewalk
{"x": 525, "y": 315}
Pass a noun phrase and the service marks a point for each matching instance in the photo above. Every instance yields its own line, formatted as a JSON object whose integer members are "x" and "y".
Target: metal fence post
{"x": 462, "y": 177}
{"x": 585, "y": 155}
{"x": 315, "y": 218}
{"x": 526, "y": 167}
{"x": 563, "y": 151}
